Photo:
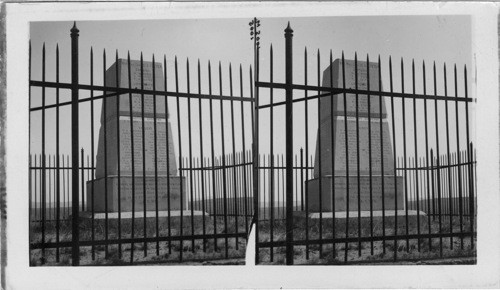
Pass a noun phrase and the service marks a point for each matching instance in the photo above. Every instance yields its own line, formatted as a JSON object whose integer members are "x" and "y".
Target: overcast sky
{"x": 430, "y": 38}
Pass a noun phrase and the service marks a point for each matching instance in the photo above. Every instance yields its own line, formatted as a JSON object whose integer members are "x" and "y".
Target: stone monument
{"x": 169, "y": 183}
{"x": 325, "y": 148}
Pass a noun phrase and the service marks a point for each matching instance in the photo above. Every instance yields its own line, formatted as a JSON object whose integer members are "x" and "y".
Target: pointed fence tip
{"x": 74, "y": 30}
{"x": 288, "y": 28}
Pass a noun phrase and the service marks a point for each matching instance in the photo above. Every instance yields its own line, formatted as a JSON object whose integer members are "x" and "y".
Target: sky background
{"x": 444, "y": 39}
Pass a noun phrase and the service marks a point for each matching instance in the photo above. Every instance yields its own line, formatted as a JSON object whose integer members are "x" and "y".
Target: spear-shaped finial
{"x": 74, "y": 30}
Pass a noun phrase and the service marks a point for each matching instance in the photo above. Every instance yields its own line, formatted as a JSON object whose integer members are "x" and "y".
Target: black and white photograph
{"x": 259, "y": 134}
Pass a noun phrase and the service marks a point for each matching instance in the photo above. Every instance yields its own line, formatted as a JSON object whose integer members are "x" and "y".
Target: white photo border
{"x": 485, "y": 67}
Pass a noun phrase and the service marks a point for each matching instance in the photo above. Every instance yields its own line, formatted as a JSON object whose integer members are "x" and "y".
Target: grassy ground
{"x": 198, "y": 252}
{"x": 367, "y": 252}
{"x": 211, "y": 252}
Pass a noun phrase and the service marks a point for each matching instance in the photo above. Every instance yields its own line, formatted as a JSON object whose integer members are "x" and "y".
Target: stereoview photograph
{"x": 318, "y": 140}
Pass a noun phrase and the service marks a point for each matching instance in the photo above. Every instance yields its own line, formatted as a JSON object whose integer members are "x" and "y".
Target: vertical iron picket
{"x": 332, "y": 150}
{"x": 190, "y": 148}
{"x": 320, "y": 167}
{"x": 395, "y": 250}
{"x": 347, "y": 160}
{"x": 271, "y": 156}
{"x": 104, "y": 106}
{"x": 243, "y": 155}
{"x": 438, "y": 162}
{"x": 233, "y": 154}
{"x": 75, "y": 249}
{"x": 224, "y": 180}
{"x": 403, "y": 101}
{"x": 369, "y": 154}
{"x": 357, "y": 151}
{"x": 44, "y": 172}
{"x": 202, "y": 159}
{"x": 155, "y": 146}
{"x": 380, "y": 100}
{"x": 306, "y": 112}
{"x": 289, "y": 143}
{"x": 58, "y": 170}
{"x": 459, "y": 160}
{"x": 416, "y": 151}
{"x": 448, "y": 161}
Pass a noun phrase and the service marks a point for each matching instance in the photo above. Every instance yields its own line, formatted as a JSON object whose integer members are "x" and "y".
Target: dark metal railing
{"x": 225, "y": 187}
{"x": 212, "y": 184}
{"x": 437, "y": 187}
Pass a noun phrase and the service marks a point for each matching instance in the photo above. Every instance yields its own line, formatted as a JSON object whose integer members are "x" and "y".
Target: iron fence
{"x": 146, "y": 188}
{"x": 387, "y": 183}
{"x": 382, "y": 184}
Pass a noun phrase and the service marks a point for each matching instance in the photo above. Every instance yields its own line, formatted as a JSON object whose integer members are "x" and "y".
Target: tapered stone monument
{"x": 124, "y": 152}
{"x": 330, "y": 178}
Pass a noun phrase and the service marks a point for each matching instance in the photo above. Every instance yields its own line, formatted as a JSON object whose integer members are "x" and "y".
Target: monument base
{"x": 169, "y": 193}
{"x": 389, "y": 194}
{"x": 140, "y": 214}
{"x": 367, "y": 214}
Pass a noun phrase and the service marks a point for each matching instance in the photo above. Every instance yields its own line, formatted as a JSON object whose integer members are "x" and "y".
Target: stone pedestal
{"x": 166, "y": 184}
{"x": 387, "y": 196}
{"x": 368, "y": 125}
{"x": 127, "y": 142}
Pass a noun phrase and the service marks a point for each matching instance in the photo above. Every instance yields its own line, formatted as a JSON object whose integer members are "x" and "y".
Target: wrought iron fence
{"x": 147, "y": 189}
{"x": 364, "y": 196}
{"x": 399, "y": 186}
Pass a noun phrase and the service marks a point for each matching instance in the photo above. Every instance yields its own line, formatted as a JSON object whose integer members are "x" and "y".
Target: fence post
{"x": 74, "y": 146}
{"x": 289, "y": 143}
